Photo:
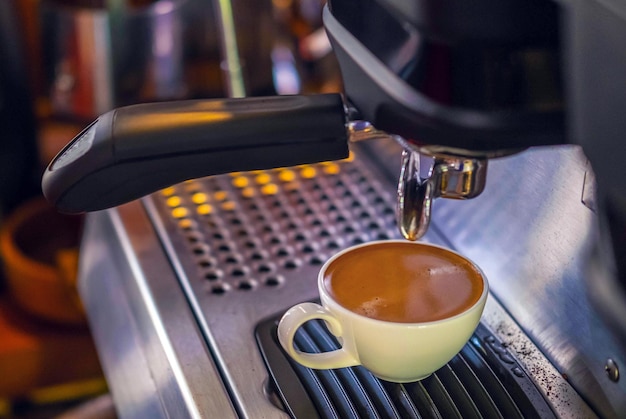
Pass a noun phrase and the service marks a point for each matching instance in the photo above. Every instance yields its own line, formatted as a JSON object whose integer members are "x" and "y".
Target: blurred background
{"x": 63, "y": 63}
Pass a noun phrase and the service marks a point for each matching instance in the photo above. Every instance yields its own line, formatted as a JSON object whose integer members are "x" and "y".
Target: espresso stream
{"x": 403, "y": 282}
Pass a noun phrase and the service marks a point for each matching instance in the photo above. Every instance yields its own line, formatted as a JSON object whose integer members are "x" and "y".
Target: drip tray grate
{"x": 483, "y": 380}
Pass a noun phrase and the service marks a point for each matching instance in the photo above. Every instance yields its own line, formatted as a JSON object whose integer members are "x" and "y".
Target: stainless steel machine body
{"x": 175, "y": 284}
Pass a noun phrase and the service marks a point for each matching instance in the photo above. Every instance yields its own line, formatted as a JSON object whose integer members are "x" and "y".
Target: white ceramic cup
{"x": 397, "y": 352}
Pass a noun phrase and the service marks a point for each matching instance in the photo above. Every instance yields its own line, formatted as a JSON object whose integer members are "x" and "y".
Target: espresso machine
{"x": 209, "y": 218}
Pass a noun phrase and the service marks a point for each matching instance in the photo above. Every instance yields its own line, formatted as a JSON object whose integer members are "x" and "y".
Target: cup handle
{"x": 295, "y": 317}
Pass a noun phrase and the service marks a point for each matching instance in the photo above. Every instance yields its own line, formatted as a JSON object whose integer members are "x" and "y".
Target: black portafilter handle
{"x": 133, "y": 151}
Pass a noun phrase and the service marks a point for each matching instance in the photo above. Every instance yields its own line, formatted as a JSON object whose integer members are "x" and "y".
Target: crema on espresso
{"x": 404, "y": 282}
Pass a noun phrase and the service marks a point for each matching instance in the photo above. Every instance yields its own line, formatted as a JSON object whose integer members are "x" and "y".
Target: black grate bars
{"x": 482, "y": 381}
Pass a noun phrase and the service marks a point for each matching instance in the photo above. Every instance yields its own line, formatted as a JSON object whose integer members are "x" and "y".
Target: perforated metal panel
{"x": 256, "y": 229}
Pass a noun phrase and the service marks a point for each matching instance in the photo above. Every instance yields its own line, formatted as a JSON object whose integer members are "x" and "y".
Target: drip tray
{"x": 483, "y": 380}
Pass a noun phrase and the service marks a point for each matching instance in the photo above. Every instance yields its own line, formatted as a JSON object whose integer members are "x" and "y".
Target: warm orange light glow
{"x": 331, "y": 168}
{"x": 180, "y": 212}
{"x": 173, "y": 201}
{"x": 308, "y": 172}
{"x": 204, "y": 209}
{"x": 286, "y": 175}
{"x": 220, "y": 195}
{"x": 248, "y": 192}
{"x": 282, "y": 4}
{"x": 199, "y": 198}
{"x": 168, "y": 191}
{"x": 229, "y": 206}
{"x": 240, "y": 182}
{"x": 291, "y": 186}
{"x": 263, "y": 179}
{"x": 269, "y": 189}
{"x": 156, "y": 121}
{"x": 185, "y": 224}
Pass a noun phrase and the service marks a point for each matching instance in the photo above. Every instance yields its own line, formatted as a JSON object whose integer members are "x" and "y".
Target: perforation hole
{"x": 259, "y": 255}
{"x": 349, "y": 229}
{"x": 239, "y": 271}
{"x": 373, "y": 225}
{"x": 300, "y": 237}
{"x": 251, "y": 244}
{"x": 316, "y": 222}
{"x": 284, "y": 252}
{"x": 325, "y": 233}
{"x": 243, "y": 233}
{"x": 266, "y": 268}
{"x": 341, "y": 218}
{"x": 213, "y": 275}
{"x": 292, "y": 264}
{"x": 277, "y": 240}
{"x": 285, "y": 215}
{"x": 358, "y": 239}
{"x": 207, "y": 262}
{"x": 383, "y": 236}
{"x": 195, "y": 237}
{"x": 274, "y": 280}
{"x": 309, "y": 248}
{"x": 188, "y": 225}
{"x": 220, "y": 289}
{"x": 317, "y": 260}
{"x": 233, "y": 259}
{"x": 219, "y": 236}
{"x": 200, "y": 250}
{"x": 247, "y": 285}
{"x": 224, "y": 247}
{"x": 270, "y": 228}
{"x": 293, "y": 226}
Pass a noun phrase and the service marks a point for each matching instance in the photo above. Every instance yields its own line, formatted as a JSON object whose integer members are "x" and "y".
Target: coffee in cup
{"x": 401, "y": 309}
{"x": 396, "y": 282}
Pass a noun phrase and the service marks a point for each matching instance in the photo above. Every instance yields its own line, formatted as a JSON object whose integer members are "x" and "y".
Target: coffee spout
{"x": 458, "y": 177}
{"x": 453, "y": 177}
{"x": 415, "y": 195}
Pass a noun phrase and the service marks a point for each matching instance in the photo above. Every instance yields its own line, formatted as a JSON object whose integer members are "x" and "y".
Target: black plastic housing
{"x": 483, "y": 76}
{"x": 132, "y": 151}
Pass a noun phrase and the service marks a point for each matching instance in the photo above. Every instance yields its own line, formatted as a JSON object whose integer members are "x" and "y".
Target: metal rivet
{"x": 612, "y": 370}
